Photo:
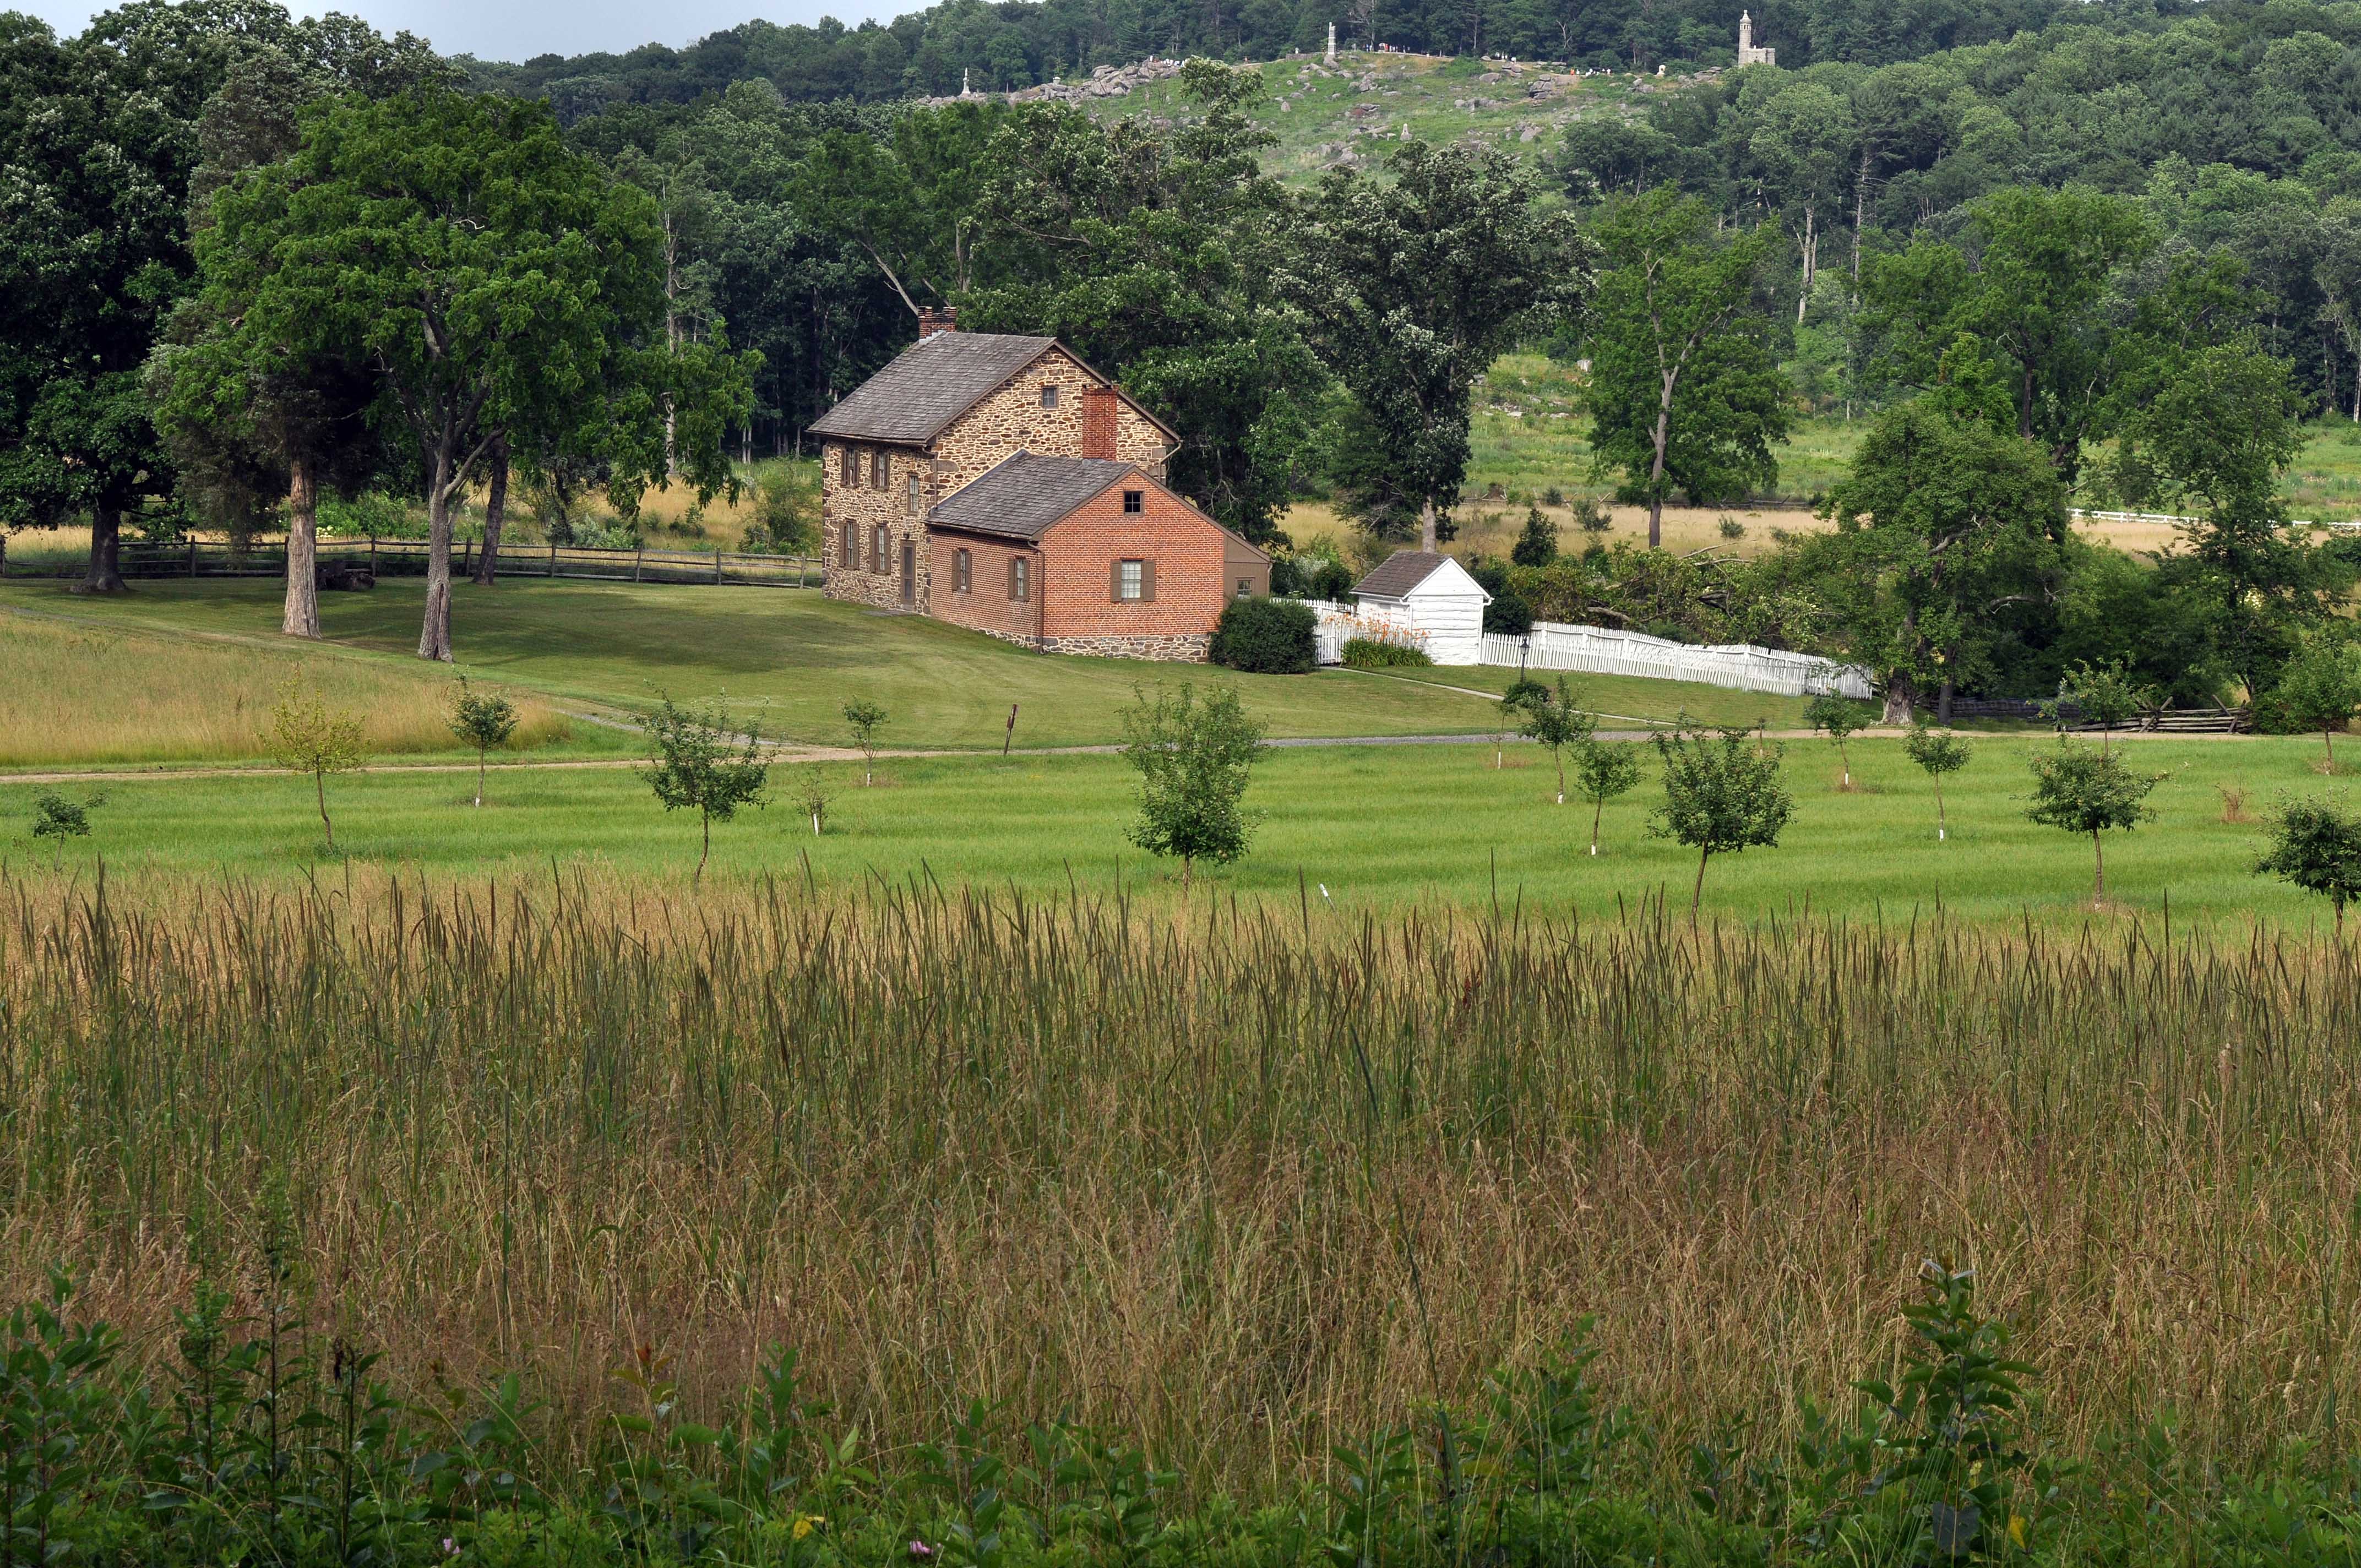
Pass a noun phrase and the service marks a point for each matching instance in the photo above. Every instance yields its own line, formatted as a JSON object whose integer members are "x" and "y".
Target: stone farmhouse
{"x": 997, "y": 482}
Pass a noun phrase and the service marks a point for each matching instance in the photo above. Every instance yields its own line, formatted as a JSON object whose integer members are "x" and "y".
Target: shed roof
{"x": 1406, "y": 571}
{"x": 1025, "y": 494}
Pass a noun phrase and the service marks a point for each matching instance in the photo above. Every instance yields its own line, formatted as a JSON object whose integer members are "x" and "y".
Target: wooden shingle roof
{"x": 930, "y": 384}
{"x": 1400, "y": 572}
{"x": 1024, "y": 495}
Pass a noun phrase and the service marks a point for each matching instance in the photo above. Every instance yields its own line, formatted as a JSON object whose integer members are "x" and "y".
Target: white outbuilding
{"x": 1434, "y": 596}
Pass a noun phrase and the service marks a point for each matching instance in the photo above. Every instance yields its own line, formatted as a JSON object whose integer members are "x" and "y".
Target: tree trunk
{"x": 1426, "y": 526}
{"x": 2328, "y": 739}
{"x": 1656, "y": 468}
{"x": 1599, "y": 809}
{"x": 1942, "y": 828}
{"x": 435, "y": 634}
{"x": 2098, "y": 869}
{"x": 1943, "y": 704}
{"x": 704, "y": 852}
{"x": 480, "y": 775}
{"x": 320, "y": 788}
{"x": 1844, "y": 755}
{"x": 300, "y": 618}
{"x": 1560, "y": 776}
{"x": 105, "y": 573}
{"x": 495, "y": 511}
{"x": 1899, "y": 700}
{"x": 1697, "y": 894}
{"x": 1811, "y": 260}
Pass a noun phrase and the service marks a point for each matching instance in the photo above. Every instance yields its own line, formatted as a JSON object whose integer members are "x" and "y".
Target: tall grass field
{"x": 1248, "y": 1188}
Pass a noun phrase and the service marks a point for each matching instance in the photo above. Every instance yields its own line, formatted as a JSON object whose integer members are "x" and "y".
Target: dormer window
{"x": 1049, "y": 395}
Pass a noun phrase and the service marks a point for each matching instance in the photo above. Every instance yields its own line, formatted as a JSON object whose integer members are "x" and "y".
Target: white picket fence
{"x": 1597, "y": 649}
{"x": 1335, "y": 623}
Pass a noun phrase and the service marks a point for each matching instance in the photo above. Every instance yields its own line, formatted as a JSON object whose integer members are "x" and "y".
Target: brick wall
{"x": 1079, "y": 554}
{"x": 860, "y": 578}
{"x": 986, "y": 606}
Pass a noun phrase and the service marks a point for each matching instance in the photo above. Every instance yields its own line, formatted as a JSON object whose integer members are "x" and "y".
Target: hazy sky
{"x": 518, "y": 29}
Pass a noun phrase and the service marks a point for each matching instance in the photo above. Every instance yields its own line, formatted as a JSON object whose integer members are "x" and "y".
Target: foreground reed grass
{"x": 1221, "y": 1177}
{"x": 78, "y": 695}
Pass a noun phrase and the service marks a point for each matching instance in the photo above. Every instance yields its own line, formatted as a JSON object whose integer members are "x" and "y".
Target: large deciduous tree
{"x": 2032, "y": 281}
{"x": 1943, "y": 523}
{"x": 1408, "y": 289}
{"x": 1685, "y": 392}
{"x": 498, "y": 286}
{"x": 1150, "y": 252}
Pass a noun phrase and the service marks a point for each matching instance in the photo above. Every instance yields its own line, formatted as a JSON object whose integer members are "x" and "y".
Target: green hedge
{"x": 1265, "y": 637}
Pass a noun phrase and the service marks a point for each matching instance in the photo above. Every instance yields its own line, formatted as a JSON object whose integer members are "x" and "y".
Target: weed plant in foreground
{"x": 260, "y": 1442}
{"x": 1229, "y": 1187}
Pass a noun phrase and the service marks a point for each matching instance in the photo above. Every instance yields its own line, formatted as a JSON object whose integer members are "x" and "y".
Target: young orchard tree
{"x": 306, "y": 737}
{"x": 1409, "y": 287}
{"x": 812, "y": 796}
{"x": 2316, "y": 846}
{"x": 1685, "y": 392}
{"x": 1939, "y": 751}
{"x": 1556, "y": 723}
{"x": 697, "y": 762}
{"x": 58, "y": 820}
{"x": 1194, "y": 758}
{"x": 1722, "y": 796}
{"x": 482, "y": 722}
{"x": 1838, "y": 719}
{"x": 2319, "y": 689}
{"x": 1602, "y": 771}
{"x": 867, "y": 719}
{"x": 2085, "y": 791}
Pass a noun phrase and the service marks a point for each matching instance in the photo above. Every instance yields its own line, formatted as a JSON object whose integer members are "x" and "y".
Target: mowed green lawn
{"x": 1376, "y": 825}
{"x": 788, "y": 660}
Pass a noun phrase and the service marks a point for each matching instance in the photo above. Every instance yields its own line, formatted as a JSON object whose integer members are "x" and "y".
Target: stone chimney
{"x": 1098, "y": 421}
{"x": 932, "y": 320}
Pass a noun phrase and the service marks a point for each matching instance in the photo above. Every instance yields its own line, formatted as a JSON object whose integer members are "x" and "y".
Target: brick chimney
{"x": 1098, "y": 421}
{"x": 932, "y": 320}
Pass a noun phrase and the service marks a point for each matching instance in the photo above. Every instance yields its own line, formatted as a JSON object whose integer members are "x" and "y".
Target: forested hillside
{"x": 1018, "y": 43}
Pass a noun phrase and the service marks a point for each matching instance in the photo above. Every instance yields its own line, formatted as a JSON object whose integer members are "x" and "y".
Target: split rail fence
{"x": 407, "y": 558}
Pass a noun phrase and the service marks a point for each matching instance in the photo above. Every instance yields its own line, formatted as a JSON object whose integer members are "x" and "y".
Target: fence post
{"x": 193, "y": 555}
{"x": 637, "y": 556}
{"x": 372, "y": 557}
{"x": 716, "y": 566}
{"x": 552, "y": 558}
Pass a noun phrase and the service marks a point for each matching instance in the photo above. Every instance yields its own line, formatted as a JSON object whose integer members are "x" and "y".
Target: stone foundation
{"x": 1173, "y": 649}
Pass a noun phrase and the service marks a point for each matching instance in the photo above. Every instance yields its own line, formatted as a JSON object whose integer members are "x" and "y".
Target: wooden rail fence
{"x": 407, "y": 558}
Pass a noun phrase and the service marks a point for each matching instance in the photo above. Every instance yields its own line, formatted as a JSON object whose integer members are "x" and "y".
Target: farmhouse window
{"x": 848, "y": 466}
{"x": 880, "y": 470}
{"x": 1049, "y": 396}
{"x": 913, "y": 495}
{"x": 1132, "y": 580}
{"x": 1134, "y": 501}
{"x": 848, "y": 555}
{"x": 1020, "y": 579}
{"x": 1245, "y": 589}
{"x": 878, "y": 546}
{"x": 962, "y": 572}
